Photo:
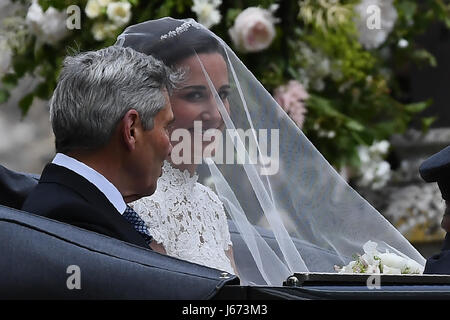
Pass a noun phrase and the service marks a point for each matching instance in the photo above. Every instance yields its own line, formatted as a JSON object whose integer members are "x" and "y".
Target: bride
{"x": 186, "y": 218}
{"x": 278, "y": 207}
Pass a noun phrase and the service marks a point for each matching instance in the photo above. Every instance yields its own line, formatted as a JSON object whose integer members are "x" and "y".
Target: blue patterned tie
{"x": 138, "y": 224}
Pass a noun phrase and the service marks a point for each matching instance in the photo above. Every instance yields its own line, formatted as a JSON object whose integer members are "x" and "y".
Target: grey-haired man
{"x": 110, "y": 113}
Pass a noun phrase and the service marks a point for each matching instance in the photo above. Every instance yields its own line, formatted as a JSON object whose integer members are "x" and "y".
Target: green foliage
{"x": 4, "y": 95}
{"x": 354, "y": 96}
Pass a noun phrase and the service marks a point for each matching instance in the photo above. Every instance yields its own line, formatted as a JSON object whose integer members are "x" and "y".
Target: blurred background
{"x": 367, "y": 81}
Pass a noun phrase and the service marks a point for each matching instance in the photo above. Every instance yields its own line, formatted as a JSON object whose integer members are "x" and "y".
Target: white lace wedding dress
{"x": 188, "y": 219}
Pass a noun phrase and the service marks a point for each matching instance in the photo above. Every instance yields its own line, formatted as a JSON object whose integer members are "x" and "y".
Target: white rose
{"x": 49, "y": 27}
{"x": 392, "y": 260}
{"x": 101, "y": 30}
{"x": 119, "y": 12}
{"x": 54, "y": 26}
{"x": 34, "y": 18}
{"x": 93, "y": 9}
{"x": 207, "y": 13}
{"x": 389, "y": 270}
{"x": 253, "y": 30}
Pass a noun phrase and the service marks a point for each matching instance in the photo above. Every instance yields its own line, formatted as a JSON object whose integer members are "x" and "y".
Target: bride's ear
{"x": 130, "y": 126}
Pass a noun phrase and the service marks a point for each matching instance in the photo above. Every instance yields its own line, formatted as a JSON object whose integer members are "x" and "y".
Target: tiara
{"x": 179, "y": 30}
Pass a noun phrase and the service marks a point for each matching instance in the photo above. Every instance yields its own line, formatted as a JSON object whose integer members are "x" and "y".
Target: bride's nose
{"x": 211, "y": 114}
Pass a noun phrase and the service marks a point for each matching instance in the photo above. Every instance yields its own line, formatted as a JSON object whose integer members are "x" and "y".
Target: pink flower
{"x": 291, "y": 98}
{"x": 253, "y": 29}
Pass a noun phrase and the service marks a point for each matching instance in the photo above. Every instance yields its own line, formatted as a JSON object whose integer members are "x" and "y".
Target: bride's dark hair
{"x": 148, "y": 37}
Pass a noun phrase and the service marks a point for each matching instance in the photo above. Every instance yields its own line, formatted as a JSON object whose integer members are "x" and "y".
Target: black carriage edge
{"x": 47, "y": 259}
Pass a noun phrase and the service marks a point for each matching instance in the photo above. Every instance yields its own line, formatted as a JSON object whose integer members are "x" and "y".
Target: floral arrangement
{"x": 375, "y": 262}
{"x": 374, "y": 171}
{"x": 331, "y": 64}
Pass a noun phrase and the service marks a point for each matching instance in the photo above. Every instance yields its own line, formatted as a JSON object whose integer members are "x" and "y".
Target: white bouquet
{"x": 373, "y": 261}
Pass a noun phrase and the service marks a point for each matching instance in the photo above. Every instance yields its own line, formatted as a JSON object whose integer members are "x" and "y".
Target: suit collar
{"x": 57, "y": 174}
{"x": 53, "y": 173}
{"x": 94, "y": 177}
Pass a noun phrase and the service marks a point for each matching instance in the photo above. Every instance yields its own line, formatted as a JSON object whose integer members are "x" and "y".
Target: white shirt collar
{"x": 106, "y": 187}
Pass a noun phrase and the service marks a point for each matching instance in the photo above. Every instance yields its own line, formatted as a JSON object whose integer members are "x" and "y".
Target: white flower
{"x": 372, "y": 261}
{"x": 119, "y": 12}
{"x": 392, "y": 260}
{"x": 35, "y": 13}
{"x": 363, "y": 153}
{"x": 93, "y": 9}
{"x": 404, "y": 264}
{"x": 383, "y": 168}
{"x": 207, "y": 13}
{"x": 374, "y": 171}
{"x": 381, "y": 147}
{"x": 375, "y": 20}
{"x": 370, "y": 248}
{"x": 5, "y": 56}
{"x": 403, "y": 43}
{"x": 49, "y": 27}
{"x": 55, "y": 25}
{"x": 324, "y": 68}
{"x": 253, "y": 30}
{"x": 389, "y": 270}
{"x": 101, "y": 30}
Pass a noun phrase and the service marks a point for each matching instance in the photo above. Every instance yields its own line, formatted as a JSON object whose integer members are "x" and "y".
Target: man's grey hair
{"x": 97, "y": 88}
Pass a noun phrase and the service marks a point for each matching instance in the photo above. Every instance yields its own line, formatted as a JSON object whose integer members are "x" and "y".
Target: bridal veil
{"x": 288, "y": 209}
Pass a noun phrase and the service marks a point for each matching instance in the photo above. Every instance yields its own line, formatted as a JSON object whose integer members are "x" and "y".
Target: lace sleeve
{"x": 222, "y": 223}
{"x": 150, "y": 211}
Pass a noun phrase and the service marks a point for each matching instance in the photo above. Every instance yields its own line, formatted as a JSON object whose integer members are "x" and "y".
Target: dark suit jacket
{"x": 15, "y": 187}
{"x": 440, "y": 263}
{"x": 65, "y": 196}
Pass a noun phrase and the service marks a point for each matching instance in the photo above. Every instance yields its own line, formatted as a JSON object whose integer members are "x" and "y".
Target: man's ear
{"x": 130, "y": 128}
